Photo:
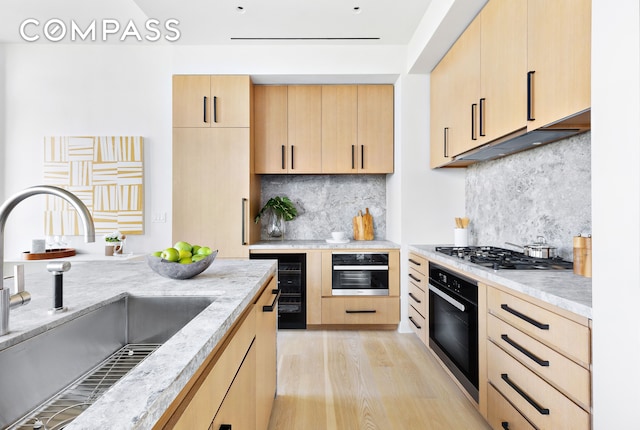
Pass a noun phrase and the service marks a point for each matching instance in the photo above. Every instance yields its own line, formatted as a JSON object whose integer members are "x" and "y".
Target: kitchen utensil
{"x": 367, "y": 221}
{"x": 582, "y": 255}
{"x": 538, "y": 249}
{"x": 460, "y": 237}
{"x": 358, "y": 227}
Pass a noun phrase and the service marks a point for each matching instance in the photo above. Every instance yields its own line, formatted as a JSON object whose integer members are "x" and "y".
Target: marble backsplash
{"x": 544, "y": 191}
{"x": 328, "y": 203}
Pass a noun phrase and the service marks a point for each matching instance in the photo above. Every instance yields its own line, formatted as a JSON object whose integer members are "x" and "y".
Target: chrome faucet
{"x": 8, "y": 301}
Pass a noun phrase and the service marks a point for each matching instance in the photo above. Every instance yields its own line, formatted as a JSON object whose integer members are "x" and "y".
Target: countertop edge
{"x": 573, "y": 295}
{"x": 322, "y": 245}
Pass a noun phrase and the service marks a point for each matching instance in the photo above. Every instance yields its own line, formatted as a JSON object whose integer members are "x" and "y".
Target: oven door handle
{"x": 360, "y": 268}
{"x": 447, "y": 298}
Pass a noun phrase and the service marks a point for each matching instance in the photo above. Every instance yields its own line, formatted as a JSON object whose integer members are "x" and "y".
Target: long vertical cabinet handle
{"x": 362, "y": 156}
{"x": 244, "y": 214}
{"x": 204, "y": 109}
{"x": 284, "y": 166}
{"x": 446, "y": 142}
{"x": 292, "y": 158}
{"x": 530, "y": 116}
{"x": 482, "y": 131}
{"x": 353, "y": 156}
{"x": 474, "y": 107}
{"x": 215, "y": 109}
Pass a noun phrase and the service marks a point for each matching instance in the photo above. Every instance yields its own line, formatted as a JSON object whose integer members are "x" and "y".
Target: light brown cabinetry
{"x": 559, "y": 59}
{"x": 212, "y": 189}
{"x": 231, "y": 386}
{"x": 340, "y": 150}
{"x": 211, "y": 101}
{"x": 419, "y": 296}
{"x": 215, "y": 191}
{"x": 324, "y": 129}
{"x": 288, "y": 129}
{"x": 271, "y": 139}
{"x": 518, "y": 66}
{"x": 538, "y": 360}
{"x": 375, "y": 128}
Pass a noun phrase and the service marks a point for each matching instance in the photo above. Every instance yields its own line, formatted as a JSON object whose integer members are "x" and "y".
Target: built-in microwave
{"x": 360, "y": 273}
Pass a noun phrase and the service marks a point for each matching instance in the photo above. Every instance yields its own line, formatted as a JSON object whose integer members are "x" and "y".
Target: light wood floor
{"x": 352, "y": 380}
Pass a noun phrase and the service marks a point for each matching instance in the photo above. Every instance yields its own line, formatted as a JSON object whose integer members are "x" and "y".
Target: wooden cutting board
{"x": 363, "y": 226}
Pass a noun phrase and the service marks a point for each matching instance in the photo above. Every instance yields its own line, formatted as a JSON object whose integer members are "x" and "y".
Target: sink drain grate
{"x": 59, "y": 411}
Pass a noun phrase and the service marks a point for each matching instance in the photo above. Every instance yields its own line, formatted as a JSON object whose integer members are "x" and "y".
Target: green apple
{"x": 182, "y": 246}
{"x": 170, "y": 254}
{"x": 184, "y": 254}
{"x": 157, "y": 254}
{"x": 198, "y": 257}
{"x": 194, "y": 249}
{"x": 205, "y": 250}
{"x": 185, "y": 260}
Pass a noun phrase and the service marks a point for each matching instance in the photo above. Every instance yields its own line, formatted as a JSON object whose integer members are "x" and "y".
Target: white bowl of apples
{"x": 182, "y": 261}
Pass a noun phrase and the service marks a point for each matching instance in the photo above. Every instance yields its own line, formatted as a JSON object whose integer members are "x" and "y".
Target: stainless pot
{"x": 538, "y": 249}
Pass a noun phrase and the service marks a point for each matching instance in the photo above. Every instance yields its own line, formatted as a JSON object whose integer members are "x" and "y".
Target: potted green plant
{"x": 279, "y": 210}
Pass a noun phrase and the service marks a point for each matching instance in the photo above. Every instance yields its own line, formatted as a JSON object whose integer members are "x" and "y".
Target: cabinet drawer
{"x": 418, "y": 299}
{"x": 417, "y": 278}
{"x": 565, "y": 374}
{"x": 418, "y": 324}
{"x": 502, "y": 415}
{"x": 542, "y": 404}
{"x": 559, "y": 332}
{"x": 361, "y": 310}
{"x": 418, "y": 263}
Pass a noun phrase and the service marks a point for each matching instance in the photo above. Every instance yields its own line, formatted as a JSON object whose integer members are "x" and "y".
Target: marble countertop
{"x": 323, "y": 244}
{"x": 561, "y": 288}
{"x": 138, "y": 400}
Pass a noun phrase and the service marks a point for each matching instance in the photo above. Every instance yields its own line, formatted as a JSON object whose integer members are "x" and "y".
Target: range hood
{"x": 522, "y": 140}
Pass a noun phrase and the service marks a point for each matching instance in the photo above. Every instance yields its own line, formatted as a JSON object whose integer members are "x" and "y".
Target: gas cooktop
{"x": 501, "y": 258}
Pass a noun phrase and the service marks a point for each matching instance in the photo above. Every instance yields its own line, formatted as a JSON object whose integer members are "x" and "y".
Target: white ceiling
{"x": 207, "y": 22}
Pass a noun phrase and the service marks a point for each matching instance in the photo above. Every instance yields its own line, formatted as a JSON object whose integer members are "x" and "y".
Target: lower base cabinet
{"x": 502, "y": 415}
{"x": 361, "y": 310}
{"x": 233, "y": 389}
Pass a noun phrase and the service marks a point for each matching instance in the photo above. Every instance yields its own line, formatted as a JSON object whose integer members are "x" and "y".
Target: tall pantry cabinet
{"x": 215, "y": 190}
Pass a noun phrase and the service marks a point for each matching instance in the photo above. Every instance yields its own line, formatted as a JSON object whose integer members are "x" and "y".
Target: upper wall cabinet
{"x": 211, "y": 101}
{"x": 518, "y": 67}
{"x": 559, "y": 65}
{"x": 324, "y": 129}
{"x": 375, "y": 128}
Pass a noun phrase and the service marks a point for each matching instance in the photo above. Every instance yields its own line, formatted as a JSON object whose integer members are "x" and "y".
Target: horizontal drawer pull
{"x": 364, "y": 311}
{"x": 523, "y": 317}
{"x": 522, "y": 349}
{"x": 540, "y": 409}
{"x": 272, "y": 306}
{"x": 417, "y": 263}
{"x": 505, "y": 425}
{"x": 415, "y": 298}
{"x": 414, "y": 278}
{"x": 419, "y": 327}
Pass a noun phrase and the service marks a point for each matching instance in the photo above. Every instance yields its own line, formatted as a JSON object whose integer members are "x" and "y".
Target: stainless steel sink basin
{"x": 36, "y": 370}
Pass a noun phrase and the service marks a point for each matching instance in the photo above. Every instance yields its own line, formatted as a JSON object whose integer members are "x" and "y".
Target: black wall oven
{"x": 360, "y": 273}
{"x": 453, "y": 324}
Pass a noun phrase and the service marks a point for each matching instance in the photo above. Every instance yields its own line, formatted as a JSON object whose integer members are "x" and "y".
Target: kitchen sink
{"x": 52, "y": 377}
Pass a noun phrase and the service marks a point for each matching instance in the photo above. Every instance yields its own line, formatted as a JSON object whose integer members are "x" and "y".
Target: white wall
{"x": 2, "y": 122}
{"x": 112, "y": 90}
{"x": 615, "y": 144}
{"x": 421, "y": 203}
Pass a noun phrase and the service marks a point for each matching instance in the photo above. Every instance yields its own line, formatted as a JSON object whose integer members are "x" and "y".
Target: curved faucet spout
{"x": 7, "y": 207}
